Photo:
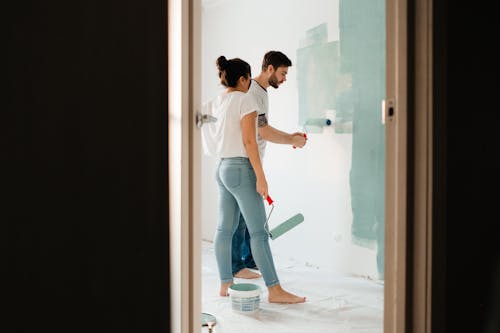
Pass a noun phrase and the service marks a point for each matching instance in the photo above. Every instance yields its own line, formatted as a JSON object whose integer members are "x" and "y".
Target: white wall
{"x": 313, "y": 181}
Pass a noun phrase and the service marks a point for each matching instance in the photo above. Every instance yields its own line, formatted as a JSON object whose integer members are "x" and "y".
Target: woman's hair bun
{"x": 222, "y": 63}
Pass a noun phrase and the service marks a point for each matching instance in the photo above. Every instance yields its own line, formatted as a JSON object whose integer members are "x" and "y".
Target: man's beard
{"x": 273, "y": 81}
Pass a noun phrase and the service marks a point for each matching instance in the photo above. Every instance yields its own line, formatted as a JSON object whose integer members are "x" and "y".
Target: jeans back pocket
{"x": 230, "y": 176}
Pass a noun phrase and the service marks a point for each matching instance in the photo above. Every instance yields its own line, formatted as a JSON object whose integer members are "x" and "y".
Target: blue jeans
{"x": 241, "y": 251}
{"x": 237, "y": 195}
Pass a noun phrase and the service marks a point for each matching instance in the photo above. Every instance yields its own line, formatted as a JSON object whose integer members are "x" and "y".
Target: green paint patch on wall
{"x": 347, "y": 78}
{"x": 323, "y": 88}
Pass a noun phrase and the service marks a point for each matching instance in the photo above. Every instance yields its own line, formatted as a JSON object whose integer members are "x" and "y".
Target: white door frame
{"x": 184, "y": 101}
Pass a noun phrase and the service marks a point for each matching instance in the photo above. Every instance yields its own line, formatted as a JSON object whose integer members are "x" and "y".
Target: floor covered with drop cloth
{"x": 334, "y": 303}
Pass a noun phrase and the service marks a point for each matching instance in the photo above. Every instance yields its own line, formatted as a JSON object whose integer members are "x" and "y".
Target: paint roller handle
{"x": 269, "y": 200}
{"x": 305, "y": 136}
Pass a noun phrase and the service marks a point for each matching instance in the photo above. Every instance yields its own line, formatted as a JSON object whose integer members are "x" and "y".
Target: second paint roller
{"x": 285, "y": 226}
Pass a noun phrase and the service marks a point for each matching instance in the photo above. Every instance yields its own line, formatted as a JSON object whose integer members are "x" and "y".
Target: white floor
{"x": 334, "y": 303}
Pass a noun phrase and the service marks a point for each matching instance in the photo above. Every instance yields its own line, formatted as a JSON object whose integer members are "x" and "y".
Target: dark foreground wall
{"x": 83, "y": 123}
{"x": 468, "y": 245}
{"x": 83, "y": 156}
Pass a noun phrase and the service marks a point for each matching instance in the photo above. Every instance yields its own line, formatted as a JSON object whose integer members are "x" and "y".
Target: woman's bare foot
{"x": 224, "y": 287}
{"x": 279, "y": 295}
{"x": 245, "y": 273}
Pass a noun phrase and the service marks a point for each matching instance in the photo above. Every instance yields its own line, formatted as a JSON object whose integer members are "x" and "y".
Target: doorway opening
{"x": 333, "y": 92}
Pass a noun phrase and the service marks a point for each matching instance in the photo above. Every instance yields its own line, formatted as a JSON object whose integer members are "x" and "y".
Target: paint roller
{"x": 285, "y": 226}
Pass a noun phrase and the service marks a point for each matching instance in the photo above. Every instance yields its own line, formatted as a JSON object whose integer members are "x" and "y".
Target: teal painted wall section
{"x": 362, "y": 50}
{"x": 346, "y": 78}
{"x": 321, "y": 84}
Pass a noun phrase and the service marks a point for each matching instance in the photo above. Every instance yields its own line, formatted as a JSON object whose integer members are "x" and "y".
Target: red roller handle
{"x": 305, "y": 136}
{"x": 269, "y": 200}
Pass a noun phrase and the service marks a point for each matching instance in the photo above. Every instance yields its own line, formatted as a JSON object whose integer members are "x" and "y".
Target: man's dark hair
{"x": 275, "y": 58}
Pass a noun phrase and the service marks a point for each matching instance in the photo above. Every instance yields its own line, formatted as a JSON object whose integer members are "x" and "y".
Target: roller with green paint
{"x": 285, "y": 226}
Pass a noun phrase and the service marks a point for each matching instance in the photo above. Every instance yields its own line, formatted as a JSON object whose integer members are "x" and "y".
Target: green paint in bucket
{"x": 245, "y": 297}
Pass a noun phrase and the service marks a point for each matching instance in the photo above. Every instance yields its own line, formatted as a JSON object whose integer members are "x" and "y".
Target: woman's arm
{"x": 250, "y": 142}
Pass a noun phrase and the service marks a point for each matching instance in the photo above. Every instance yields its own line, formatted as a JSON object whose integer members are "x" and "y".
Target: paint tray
{"x": 285, "y": 226}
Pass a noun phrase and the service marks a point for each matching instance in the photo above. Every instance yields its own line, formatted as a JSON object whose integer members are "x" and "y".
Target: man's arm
{"x": 274, "y": 135}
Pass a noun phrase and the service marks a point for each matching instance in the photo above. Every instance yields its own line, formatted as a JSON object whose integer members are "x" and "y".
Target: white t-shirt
{"x": 223, "y": 137}
{"x": 257, "y": 100}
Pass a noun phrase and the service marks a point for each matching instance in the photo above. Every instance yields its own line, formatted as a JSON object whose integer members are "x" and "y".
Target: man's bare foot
{"x": 224, "y": 287}
{"x": 245, "y": 273}
{"x": 279, "y": 295}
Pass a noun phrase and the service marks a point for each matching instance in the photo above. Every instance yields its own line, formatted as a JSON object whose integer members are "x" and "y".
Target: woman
{"x": 240, "y": 177}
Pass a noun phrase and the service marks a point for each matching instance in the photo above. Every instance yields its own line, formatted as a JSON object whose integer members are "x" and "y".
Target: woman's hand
{"x": 261, "y": 187}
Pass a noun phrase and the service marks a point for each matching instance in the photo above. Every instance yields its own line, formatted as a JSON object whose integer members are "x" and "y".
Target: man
{"x": 274, "y": 71}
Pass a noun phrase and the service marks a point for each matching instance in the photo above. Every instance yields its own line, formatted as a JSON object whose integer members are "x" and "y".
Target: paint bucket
{"x": 245, "y": 297}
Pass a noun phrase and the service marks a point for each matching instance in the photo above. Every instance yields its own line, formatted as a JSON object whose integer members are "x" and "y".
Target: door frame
{"x": 409, "y": 256}
{"x": 408, "y": 266}
{"x": 396, "y": 120}
{"x": 184, "y": 163}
